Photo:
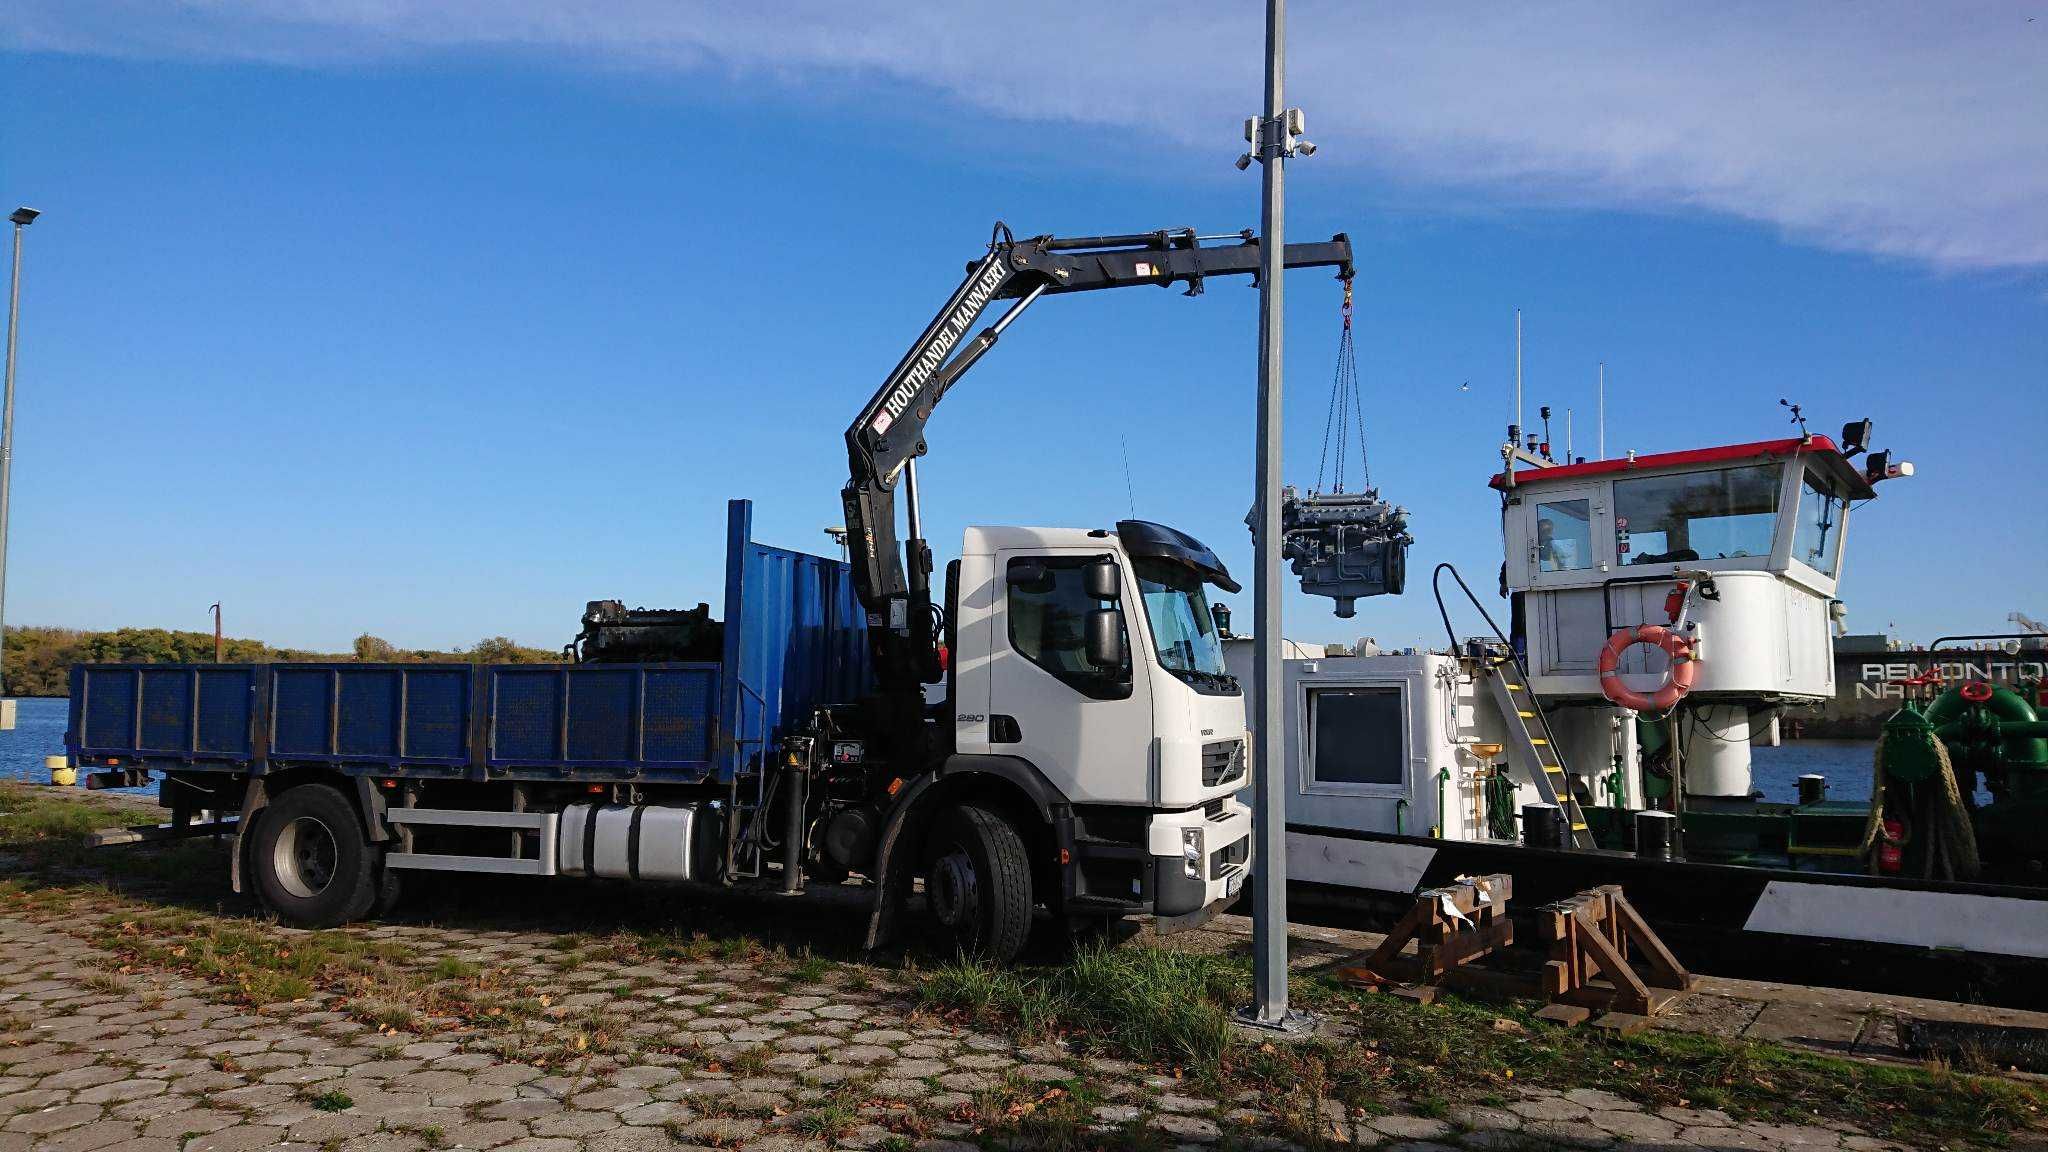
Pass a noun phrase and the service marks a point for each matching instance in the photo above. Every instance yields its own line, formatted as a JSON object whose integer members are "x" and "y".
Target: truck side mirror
{"x": 1103, "y": 580}
{"x": 1106, "y": 638}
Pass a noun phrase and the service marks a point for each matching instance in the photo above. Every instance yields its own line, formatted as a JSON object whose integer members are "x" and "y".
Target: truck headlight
{"x": 1191, "y": 852}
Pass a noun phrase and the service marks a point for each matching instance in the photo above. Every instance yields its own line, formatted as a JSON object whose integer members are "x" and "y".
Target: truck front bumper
{"x": 1200, "y": 857}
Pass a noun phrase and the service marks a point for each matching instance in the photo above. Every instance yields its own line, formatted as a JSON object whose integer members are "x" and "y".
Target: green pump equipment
{"x": 1931, "y": 765}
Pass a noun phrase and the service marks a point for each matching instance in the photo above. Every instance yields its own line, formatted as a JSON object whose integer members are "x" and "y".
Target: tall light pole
{"x": 1272, "y": 138}
{"x": 22, "y": 218}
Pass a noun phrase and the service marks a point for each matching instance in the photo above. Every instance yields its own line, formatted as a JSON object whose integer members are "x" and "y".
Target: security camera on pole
{"x": 1272, "y": 138}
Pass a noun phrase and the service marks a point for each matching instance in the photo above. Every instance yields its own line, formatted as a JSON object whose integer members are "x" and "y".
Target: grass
{"x": 32, "y": 814}
{"x": 451, "y": 968}
{"x": 259, "y": 965}
{"x": 750, "y": 1061}
{"x": 331, "y": 1100}
{"x": 1145, "y": 1003}
{"x": 105, "y": 982}
{"x": 1172, "y": 1009}
{"x": 831, "y": 1120}
{"x": 808, "y": 968}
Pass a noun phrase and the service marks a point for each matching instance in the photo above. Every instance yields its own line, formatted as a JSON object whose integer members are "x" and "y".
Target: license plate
{"x": 1233, "y": 885}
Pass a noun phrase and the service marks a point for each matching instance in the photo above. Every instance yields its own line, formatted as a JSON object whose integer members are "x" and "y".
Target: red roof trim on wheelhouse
{"x": 1820, "y": 446}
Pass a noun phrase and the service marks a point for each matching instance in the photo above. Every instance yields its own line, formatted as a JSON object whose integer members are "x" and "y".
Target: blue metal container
{"x": 795, "y": 639}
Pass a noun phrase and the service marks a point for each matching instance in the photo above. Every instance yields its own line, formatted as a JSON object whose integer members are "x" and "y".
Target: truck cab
{"x": 1089, "y": 659}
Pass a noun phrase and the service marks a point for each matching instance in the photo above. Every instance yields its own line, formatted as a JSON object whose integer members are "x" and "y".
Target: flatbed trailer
{"x": 534, "y": 769}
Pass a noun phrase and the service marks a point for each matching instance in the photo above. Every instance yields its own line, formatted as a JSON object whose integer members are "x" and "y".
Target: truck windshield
{"x": 1183, "y": 632}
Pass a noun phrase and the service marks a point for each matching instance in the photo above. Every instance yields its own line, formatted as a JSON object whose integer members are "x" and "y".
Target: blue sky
{"x": 437, "y": 320}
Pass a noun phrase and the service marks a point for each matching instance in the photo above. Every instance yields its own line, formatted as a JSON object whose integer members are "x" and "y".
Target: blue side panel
{"x": 525, "y": 718}
{"x": 227, "y": 712}
{"x": 795, "y": 640}
{"x": 109, "y": 707}
{"x": 682, "y": 709}
{"x": 367, "y": 704}
{"x": 437, "y": 713}
{"x": 166, "y": 710}
{"x": 602, "y": 721}
{"x": 601, "y": 712}
{"x": 376, "y": 715}
{"x": 159, "y": 712}
{"x": 301, "y": 711}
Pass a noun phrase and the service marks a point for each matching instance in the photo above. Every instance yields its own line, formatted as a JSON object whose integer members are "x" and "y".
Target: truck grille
{"x": 1222, "y": 762}
{"x": 1223, "y": 860}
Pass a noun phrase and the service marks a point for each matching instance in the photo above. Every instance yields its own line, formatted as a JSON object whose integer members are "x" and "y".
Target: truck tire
{"x": 978, "y": 883}
{"x": 312, "y": 865}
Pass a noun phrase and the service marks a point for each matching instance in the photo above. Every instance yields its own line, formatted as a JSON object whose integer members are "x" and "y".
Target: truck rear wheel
{"x": 312, "y": 865}
{"x": 978, "y": 883}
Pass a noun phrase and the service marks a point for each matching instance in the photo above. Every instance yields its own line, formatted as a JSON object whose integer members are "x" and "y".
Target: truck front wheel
{"x": 312, "y": 865}
{"x": 978, "y": 883}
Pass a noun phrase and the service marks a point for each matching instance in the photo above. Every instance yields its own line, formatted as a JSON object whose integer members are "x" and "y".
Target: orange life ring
{"x": 1677, "y": 683}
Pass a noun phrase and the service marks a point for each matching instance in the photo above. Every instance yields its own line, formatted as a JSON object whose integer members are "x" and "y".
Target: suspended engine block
{"x": 1345, "y": 545}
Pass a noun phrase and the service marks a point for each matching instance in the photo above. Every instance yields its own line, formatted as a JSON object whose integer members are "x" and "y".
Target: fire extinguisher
{"x": 1890, "y": 855}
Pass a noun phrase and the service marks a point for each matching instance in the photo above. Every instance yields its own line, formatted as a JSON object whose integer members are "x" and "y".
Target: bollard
{"x": 1656, "y": 835}
{"x": 1543, "y": 826}
{"x": 1813, "y": 788}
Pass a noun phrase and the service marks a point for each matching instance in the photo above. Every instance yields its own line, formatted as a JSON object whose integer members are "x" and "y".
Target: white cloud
{"x": 1903, "y": 129}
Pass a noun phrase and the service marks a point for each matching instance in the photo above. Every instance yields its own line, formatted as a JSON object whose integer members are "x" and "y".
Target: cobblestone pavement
{"x": 130, "y": 1019}
{"x": 733, "y": 1052}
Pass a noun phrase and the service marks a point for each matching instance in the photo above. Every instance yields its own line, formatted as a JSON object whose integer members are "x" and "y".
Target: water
{"x": 1846, "y": 763}
{"x": 38, "y": 732}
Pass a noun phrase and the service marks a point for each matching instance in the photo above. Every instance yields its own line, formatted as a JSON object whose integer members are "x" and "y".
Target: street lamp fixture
{"x": 24, "y": 215}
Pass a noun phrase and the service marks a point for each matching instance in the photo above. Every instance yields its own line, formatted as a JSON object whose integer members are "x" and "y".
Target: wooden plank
{"x": 1567, "y": 1015}
{"x": 1621, "y": 1023}
{"x": 1630, "y": 991}
{"x": 155, "y": 833}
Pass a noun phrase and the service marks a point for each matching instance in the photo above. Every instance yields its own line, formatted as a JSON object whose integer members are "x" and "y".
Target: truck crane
{"x": 1006, "y": 746}
{"x": 884, "y": 442}
{"x": 1083, "y": 761}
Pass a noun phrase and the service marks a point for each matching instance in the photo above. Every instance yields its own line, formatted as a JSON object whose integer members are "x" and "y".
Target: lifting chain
{"x": 1346, "y": 415}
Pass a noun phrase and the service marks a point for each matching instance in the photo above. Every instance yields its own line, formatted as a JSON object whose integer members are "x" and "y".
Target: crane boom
{"x": 889, "y": 433}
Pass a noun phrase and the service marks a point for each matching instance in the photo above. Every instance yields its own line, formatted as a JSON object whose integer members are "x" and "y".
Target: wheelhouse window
{"x": 1725, "y": 514}
{"x": 1048, "y": 625}
{"x": 1183, "y": 633}
{"x": 1564, "y": 536}
{"x": 1818, "y": 541}
{"x": 1355, "y": 736}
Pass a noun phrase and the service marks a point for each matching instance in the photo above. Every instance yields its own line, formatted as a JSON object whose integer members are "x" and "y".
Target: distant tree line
{"x": 39, "y": 659}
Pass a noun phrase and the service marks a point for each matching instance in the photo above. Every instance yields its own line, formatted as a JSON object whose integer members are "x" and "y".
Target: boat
{"x": 1667, "y": 613}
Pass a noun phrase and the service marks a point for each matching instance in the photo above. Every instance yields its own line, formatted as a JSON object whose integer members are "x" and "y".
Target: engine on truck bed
{"x": 615, "y": 634}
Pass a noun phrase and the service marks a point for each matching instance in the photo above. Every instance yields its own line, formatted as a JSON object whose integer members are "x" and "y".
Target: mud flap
{"x": 894, "y": 871}
{"x": 254, "y": 799}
